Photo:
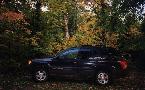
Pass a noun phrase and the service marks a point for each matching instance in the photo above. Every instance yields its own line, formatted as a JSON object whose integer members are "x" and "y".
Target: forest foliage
{"x": 26, "y": 30}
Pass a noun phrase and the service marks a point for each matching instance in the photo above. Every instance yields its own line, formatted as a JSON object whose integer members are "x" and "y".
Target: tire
{"x": 40, "y": 75}
{"x": 103, "y": 78}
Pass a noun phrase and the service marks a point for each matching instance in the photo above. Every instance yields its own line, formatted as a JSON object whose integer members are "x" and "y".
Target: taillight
{"x": 123, "y": 64}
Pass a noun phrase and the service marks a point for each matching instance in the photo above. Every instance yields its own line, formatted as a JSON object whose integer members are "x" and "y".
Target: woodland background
{"x": 32, "y": 28}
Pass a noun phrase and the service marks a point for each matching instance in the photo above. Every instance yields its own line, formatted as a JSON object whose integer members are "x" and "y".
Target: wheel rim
{"x": 103, "y": 78}
{"x": 41, "y": 75}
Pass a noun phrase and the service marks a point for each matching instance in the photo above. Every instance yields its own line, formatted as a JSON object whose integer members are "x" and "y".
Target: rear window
{"x": 112, "y": 51}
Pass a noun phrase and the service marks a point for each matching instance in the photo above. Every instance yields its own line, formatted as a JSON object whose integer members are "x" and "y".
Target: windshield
{"x": 58, "y": 53}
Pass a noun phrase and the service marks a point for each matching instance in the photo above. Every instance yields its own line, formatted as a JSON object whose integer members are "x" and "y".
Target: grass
{"x": 135, "y": 80}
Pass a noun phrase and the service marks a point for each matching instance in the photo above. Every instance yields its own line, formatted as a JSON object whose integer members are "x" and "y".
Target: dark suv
{"x": 100, "y": 64}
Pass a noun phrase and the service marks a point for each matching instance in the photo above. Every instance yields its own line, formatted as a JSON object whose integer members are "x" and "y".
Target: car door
{"x": 86, "y": 65}
{"x": 65, "y": 64}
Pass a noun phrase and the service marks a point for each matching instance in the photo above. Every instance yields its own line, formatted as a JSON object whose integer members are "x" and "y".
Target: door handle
{"x": 60, "y": 68}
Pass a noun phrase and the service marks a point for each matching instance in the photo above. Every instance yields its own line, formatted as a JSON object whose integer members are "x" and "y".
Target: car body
{"x": 100, "y": 64}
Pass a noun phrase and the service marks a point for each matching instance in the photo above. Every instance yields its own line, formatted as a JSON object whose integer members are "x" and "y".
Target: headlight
{"x": 29, "y": 62}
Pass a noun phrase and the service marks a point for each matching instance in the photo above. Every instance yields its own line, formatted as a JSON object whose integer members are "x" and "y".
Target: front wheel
{"x": 103, "y": 78}
{"x": 40, "y": 75}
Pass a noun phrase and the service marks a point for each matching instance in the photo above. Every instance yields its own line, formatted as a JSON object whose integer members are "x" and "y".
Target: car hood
{"x": 47, "y": 59}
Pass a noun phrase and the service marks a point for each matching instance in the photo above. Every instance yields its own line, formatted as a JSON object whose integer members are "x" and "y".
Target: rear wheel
{"x": 40, "y": 75}
{"x": 103, "y": 78}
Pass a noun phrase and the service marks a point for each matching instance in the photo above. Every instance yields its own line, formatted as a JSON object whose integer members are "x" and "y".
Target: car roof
{"x": 90, "y": 46}
{"x": 102, "y": 47}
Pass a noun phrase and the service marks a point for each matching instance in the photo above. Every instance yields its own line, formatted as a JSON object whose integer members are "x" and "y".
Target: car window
{"x": 112, "y": 51}
{"x": 69, "y": 54}
{"x": 84, "y": 53}
{"x": 97, "y": 51}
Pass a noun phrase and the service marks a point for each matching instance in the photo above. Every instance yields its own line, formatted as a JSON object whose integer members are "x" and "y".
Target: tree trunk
{"x": 36, "y": 23}
{"x": 67, "y": 36}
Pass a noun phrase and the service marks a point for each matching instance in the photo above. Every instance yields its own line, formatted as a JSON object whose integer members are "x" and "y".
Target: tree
{"x": 143, "y": 26}
{"x": 15, "y": 33}
{"x": 68, "y": 13}
{"x": 113, "y": 16}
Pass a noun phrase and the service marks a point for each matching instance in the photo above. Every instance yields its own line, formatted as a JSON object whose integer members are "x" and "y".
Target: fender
{"x": 35, "y": 66}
